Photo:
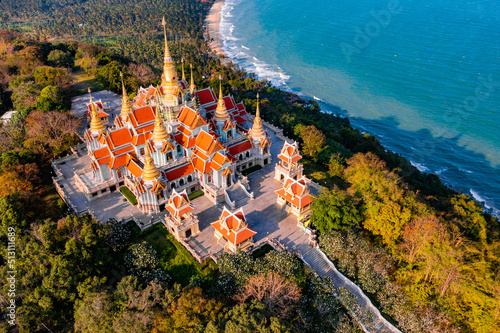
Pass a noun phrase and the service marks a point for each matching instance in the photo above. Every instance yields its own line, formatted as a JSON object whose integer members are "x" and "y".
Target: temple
{"x": 170, "y": 141}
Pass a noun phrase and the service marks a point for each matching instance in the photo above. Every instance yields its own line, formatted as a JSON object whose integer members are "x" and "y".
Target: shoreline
{"x": 212, "y": 24}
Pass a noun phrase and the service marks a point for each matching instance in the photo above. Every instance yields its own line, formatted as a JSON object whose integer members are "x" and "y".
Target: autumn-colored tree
{"x": 19, "y": 178}
{"x": 24, "y": 95}
{"x": 278, "y": 294}
{"x": 388, "y": 204}
{"x": 191, "y": 312}
{"x": 51, "y": 131}
{"x": 51, "y": 76}
{"x": 313, "y": 140}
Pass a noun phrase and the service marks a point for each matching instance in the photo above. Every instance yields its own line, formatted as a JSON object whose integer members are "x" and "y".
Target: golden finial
{"x": 96, "y": 124}
{"x": 192, "y": 87}
{"x": 126, "y": 105}
{"x": 150, "y": 171}
{"x": 257, "y": 131}
{"x": 183, "y": 75}
{"x": 159, "y": 132}
{"x": 168, "y": 57}
{"x": 221, "y": 111}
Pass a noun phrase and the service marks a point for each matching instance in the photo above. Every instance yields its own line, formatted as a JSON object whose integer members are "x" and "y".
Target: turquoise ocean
{"x": 423, "y": 76}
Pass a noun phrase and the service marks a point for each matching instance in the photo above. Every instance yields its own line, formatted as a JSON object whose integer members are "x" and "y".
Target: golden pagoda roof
{"x": 257, "y": 131}
{"x": 221, "y": 111}
{"x": 126, "y": 105}
{"x": 96, "y": 124}
{"x": 150, "y": 172}
{"x": 160, "y": 133}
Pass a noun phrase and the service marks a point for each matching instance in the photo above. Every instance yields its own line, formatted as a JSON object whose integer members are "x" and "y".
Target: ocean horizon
{"x": 423, "y": 77}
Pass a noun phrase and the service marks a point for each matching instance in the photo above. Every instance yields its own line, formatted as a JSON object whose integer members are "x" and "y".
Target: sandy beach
{"x": 212, "y": 24}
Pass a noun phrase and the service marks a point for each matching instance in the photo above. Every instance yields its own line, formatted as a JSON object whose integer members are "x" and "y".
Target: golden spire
{"x": 96, "y": 124}
{"x": 168, "y": 57}
{"x": 183, "y": 75}
{"x": 257, "y": 131}
{"x": 169, "y": 80}
{"x": 126, "y": 105}
{"x": 159, "y": 132}
{"x": 150, "y": 171}
{"x": 192, "y": 87}
{"x": 221, "y": 111}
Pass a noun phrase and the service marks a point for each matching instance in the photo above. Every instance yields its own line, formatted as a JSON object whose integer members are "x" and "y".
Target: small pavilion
{"x": 232, "y": 229}
{"x": 179, "y": 220}
{"x": 295, "y": 195}
{"x": 288, "y": 165}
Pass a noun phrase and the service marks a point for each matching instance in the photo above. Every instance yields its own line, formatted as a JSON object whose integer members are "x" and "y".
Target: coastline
{"x": 212, "y": 23}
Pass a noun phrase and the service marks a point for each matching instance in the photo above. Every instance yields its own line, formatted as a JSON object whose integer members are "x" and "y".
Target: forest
{"x": 426, "y": 255}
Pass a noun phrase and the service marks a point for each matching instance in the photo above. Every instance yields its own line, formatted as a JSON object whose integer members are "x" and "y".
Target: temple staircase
{"x": 238, "y": 196}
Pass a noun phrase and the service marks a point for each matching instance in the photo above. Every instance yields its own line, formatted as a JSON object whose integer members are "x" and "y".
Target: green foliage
{"x": 109, "y": 76}
{"x": 335, "y": 210}
{"x": 143, "y": 262}
{"x": 51, "y": 76}
{"x": 129, "y": 195}
{"x": 196, "y": 194}
{"x": 25, "y": 95}
{"x": 51, "y": 98}
{"x": 59, "y": 58}
{"x": 250, "y": 170}
{"x": 248, "y": 318}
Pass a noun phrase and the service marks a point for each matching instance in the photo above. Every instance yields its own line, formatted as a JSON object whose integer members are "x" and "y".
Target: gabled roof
{"x": 179, "y": 171}
{"x": 219, "y": 160}
{"x": 120, "y": 137}
{"x": 240, "y": 147}
{"x": 233, "y": 226}
{"x": 296, "y": 192}
{"x": 206, "y": 96}
{"x": 290, "y": 152}
{"x": 207, "y": 142}
{"x": 178, "y": 203}
{"x": 185, "y": 141}
{"x": 230, "y": 103}
{"x": 142, "y": 116}
{"x": 190, "y": 118}
{"x": 201, "y": 165}
{"x": 134, "y": 167}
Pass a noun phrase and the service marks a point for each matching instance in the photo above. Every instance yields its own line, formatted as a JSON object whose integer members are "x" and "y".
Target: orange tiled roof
{"x": 120, "y": 137}
{"x": 207, "y": 143}
{"x": 185, "y": 141}
{"x": 178, "y": 203}
{"x": 142, "y": 116}
{"x": 134, "y": 168}
{"x": 233, "y": 226}
{"x": 179, "y": 172}
{"x": 296, "y": 192}
{"x": 240, "y": 147}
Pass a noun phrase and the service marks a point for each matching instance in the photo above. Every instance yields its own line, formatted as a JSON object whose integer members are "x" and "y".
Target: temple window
{"x": 229, "y": 134}
{"x": 169, "y": 156}
{"x": 240, "y": 157}
{"x": 141, "y": 151}
{"x": 172, "y": 185}
{"x": 190, "y": 179}
{"x": 181, "y": 182}
{"x": 178, "y": 149}
{"x": 119, "y": 173}
{"x": 209, "y": 178}
{"x": 248, "y": 154}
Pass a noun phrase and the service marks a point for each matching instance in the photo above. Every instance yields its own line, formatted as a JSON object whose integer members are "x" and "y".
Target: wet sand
{"x": 212, "y": 23}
